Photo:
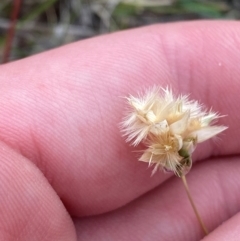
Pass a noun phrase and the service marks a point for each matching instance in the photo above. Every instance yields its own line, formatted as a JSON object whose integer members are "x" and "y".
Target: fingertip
{"x": 30, "y": 209}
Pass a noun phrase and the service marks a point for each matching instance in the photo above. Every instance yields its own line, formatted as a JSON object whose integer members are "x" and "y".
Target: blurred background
{"x": 32, "y": 26}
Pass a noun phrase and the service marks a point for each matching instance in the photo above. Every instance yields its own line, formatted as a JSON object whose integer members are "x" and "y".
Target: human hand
{"x": 62, "y": 155}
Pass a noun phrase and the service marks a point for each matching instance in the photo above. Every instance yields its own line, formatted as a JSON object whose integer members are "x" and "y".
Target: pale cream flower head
{"x": 169, "y": 126}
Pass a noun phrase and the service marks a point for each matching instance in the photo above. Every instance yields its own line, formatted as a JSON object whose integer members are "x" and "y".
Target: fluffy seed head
{"x": 169, "y": 126}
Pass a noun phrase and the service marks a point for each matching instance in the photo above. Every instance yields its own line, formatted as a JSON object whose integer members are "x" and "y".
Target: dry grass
{"x": 45, "y": 24}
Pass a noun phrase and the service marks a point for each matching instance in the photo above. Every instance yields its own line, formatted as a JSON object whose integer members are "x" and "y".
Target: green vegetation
{"x": 44, "y": 24}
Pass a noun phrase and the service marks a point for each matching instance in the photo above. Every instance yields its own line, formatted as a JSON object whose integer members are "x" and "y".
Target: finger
{"x": 30, "y": 209}
{"x": 166, "y": 213}
{"x": 229, "y": 230}
{"x": 61, "y": 109}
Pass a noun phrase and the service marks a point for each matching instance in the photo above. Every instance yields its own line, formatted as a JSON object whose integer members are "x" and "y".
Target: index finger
{"x": 61, "y": 109}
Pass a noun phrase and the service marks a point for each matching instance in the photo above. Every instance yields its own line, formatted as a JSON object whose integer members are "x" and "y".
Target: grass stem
{"x": 193, "y": 205}
{"x": 11, "y": 31}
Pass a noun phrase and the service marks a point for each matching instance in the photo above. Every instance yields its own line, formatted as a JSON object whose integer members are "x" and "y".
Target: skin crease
{"x": 60, "y": 110}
